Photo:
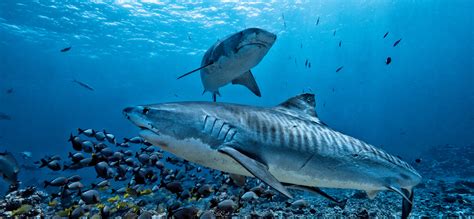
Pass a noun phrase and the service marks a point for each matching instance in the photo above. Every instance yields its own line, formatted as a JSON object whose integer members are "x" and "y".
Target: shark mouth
{"x": 253, "y": 44}
{"x": 140, "y": 122}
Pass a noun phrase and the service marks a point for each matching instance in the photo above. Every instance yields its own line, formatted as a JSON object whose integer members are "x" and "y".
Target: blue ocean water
{"x": 131, "y": 52}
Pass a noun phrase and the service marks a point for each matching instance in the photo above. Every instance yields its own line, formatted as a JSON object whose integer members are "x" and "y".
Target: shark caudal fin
{"x": 247, "y": 80}
{"x": 195, "y": 70}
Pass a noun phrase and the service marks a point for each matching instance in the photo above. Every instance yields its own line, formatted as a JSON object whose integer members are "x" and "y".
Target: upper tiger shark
{"x": 286, "y": 146}
{"x": 230, "y": 60}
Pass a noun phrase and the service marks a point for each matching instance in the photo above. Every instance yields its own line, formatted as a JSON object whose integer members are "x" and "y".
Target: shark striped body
{"x": 288, "y": 142}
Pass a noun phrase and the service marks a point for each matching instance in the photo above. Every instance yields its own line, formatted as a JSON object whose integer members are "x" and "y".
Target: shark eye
{"x": 145, "y": 110}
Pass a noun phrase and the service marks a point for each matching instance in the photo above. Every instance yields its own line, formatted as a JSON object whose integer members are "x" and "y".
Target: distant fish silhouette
{"x": 9, "y": 91}
{"x": 66, "y": 49}
{"x": 4, "y": 116}
{"x": 385, "y": 35}
{"x": 340, "y": 68}
{"x": 317, "y": 22}
{"x": 340, "y": 43}
{"x": 83, "y": 85}
{"x": 309, "y": 64}
{"x": 397, "y": 42}
{"x": 306, "y": 63}
{"x": 283, "y": 17}
{"x": 334, "y": 33}
{"x": 388, "y": 61}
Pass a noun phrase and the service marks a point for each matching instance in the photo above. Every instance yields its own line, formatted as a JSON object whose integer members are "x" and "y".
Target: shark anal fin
{"x": 372, "y": 193}
{"x": 195, "y": 70}
{"x": 317, "y": 190}
{"x": 256, "y": 168}
{"x": 247, "y": 80}
{"x": 407, "y": 205}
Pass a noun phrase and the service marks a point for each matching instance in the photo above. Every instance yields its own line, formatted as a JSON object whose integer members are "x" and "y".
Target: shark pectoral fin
{"x": 316, "y": 190}
{"x": 397, "y": 190}
{"x": 372, "y": 193}
{"x": 256, "y": 168}
{"x": 195, "y": 70}
{"x": 247, "y": 80}
{"x": 407, "y": 205}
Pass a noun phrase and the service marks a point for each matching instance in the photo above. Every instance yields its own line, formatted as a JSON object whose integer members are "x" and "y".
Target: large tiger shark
{"x": 229, "y": 60}
{"x": 286, "y": 146}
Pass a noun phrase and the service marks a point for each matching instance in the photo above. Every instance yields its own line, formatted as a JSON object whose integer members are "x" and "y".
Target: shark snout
{"x": 127, "y": 110}
{"x": 137, "y": 115}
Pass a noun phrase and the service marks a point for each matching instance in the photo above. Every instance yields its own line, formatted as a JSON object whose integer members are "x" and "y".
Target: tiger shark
{"x": 286, "y": 147}
{"x": 229, "y": 60}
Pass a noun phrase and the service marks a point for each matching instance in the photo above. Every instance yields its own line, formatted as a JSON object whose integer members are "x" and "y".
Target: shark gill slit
{"x": 232, "y": 136}
{"x": 227, "y": 132}
{"x": 219, "y": 132}
{"x": 205, "y": 120}
{"x": 213, "y": 124}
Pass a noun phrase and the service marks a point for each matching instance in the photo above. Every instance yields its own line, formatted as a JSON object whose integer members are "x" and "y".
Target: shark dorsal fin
{"x": 303, "y": 105}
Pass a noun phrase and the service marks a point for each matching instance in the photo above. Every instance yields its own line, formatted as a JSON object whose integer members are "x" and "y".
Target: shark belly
{"x": 228, "y": 68}
{"x": 196, "y": 151}
{"x": 325, "y": 173}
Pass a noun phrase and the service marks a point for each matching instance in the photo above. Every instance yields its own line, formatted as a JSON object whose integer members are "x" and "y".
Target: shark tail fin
{"x": 247, "y": 80}
{"x": 195, "y": 70}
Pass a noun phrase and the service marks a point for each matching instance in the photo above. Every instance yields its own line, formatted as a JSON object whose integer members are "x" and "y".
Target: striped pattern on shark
{"x": 286, "y": 146}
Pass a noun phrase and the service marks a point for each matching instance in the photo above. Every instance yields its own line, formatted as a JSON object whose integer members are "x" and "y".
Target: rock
{"x": 186, "y": 212}
{"x": 248, "y": 196}
{"x": 145, "y": 215}
{"x": 207, "y": 215}
{"x": 130, "y": 215}
{"x": 449, "y": 199}
{"x": 301, "y": 203}
{"x": 362, "y": 214}
{"x": 359, "y": 195}
{"x": 227, "y": 206}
